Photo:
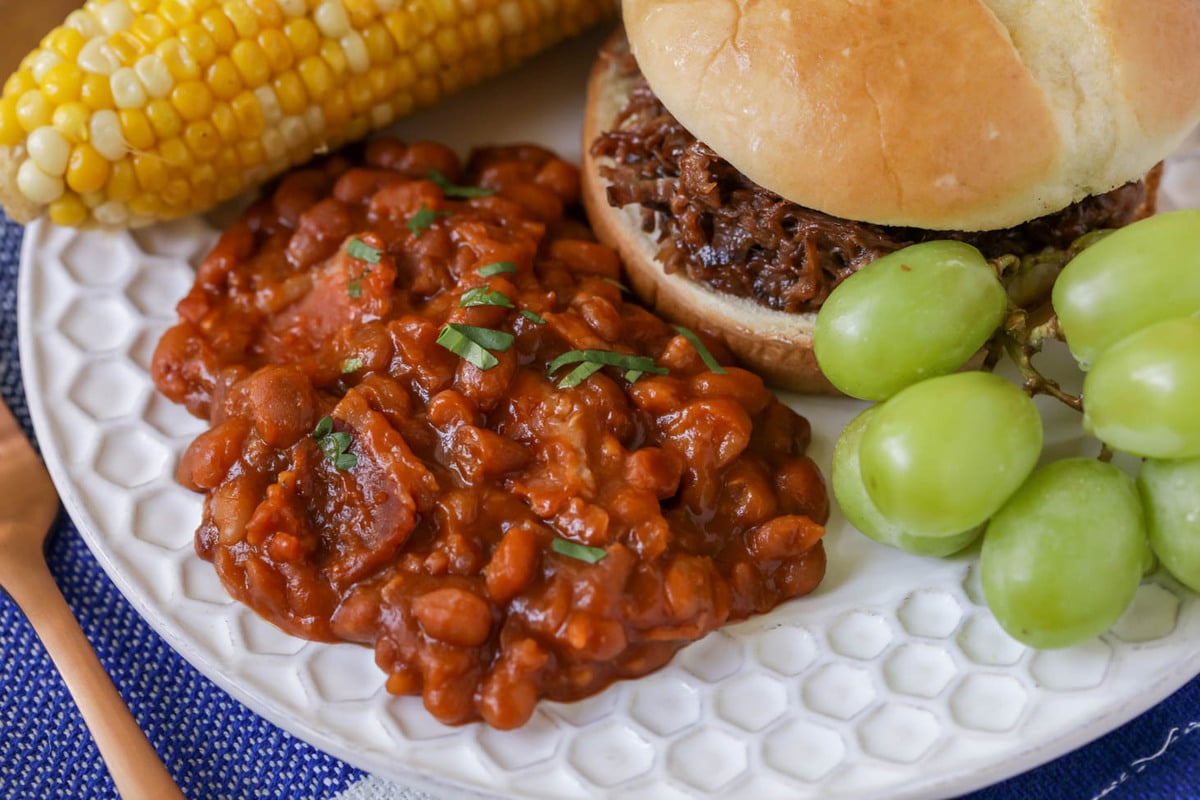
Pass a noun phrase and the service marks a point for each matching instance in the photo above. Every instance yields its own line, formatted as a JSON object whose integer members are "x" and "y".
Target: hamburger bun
{"x": 938, "y": 114}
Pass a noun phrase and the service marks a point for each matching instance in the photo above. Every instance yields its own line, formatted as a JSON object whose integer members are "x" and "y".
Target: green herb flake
{"x": 579, "y": 552}
{"x": 497, "y": 268}
{"x": 533, "y": 316}
{"x": 352, "y": 364}
{"x": 474, "y": 343}
{"x": 633, "y": 365}
{"x": 618, "y": 284}
{"x": 454, "y": 190}
{"x": 334, "y": 445}
{"x": 422, "y": 219}
{"x": 482, "y": 296}
{"x": 359, "y": 249}
{"x": 705, "y": 355}
{"x": 354, "y": 288}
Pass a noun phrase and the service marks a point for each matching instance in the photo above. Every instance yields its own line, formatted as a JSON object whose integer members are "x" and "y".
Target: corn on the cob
{"x": 134, "y": 111}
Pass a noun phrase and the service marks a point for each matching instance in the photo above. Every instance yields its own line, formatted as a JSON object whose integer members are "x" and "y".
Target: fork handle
{"x": 135, "y": 767}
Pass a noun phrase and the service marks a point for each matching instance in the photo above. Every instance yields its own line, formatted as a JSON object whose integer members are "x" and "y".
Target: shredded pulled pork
{"x": 719, "y": 228}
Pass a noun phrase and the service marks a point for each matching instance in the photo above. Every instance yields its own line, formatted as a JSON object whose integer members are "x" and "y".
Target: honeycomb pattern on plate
{"x": 891, "y": 679}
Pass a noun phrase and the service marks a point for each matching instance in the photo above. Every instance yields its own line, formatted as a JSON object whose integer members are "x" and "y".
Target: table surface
{"x": 216, "y": 748}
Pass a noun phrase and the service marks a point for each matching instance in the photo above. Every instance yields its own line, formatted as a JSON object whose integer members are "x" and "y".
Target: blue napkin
{"x": 216, "y": 748}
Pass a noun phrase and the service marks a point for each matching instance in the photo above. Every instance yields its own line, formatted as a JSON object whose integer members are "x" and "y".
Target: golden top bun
{"x": 940, "y": 114}
{"x": 775, "y": 344}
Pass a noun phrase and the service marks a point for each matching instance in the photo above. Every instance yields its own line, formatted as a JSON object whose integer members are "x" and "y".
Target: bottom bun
{"x": 775, "y": 344}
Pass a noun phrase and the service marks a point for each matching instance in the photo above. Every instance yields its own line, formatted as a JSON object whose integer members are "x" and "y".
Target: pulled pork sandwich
{"x": 744, "y": 157}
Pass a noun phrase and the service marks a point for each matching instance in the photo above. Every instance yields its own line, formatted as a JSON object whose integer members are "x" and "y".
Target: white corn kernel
{"x": 114, "y": 16}
{"x": 127, "y": 90}
{"x": 105, "y": 130}
{"x": 268, "y": 103}
{"x": 382, "y": 115}
{"x": 357, "y": 57}
{"x": 273, "y": 143}
{"x": 42, "y": 62}
{"x": 331, "y": 19}
{"x": 292, "y": 8}
{"x": 294, "y": 132}
{"x": 36, "y": 185}
{"x": 82, "y": 20}
{"x": 113, "y": 213}
{"x": 93, "y": 200}
{"x": 95, "y": 57}
{"x": 49, "y": 150}
{"x": 154, "y": 75}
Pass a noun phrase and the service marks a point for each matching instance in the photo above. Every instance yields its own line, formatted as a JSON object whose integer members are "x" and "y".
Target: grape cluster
{"x": 949, "y": 455}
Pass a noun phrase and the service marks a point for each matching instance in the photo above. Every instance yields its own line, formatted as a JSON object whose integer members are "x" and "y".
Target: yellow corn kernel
{"x": 150, "y": 28}
{"x": 203, "y": 186}
{"x": 228, "y": 185}
{"x": 136, "y": 129}
{"x": 289, "y": 90}
{"x": 219, "y": 28}
{"x": 122, "y": 183}
{"x": 223, "y": 78}
{"x": 426, "y": 57}
{"x": 227, "y": 162}
{"x": 446, "y": 11}
{"x": 68, "y": 210}
{"x": 317, "y": 77}
{"x": 425, "y": 91}
{"x": 175, "y": 154}
{"x": 449, "y": 45}
{"x": 87, "y": 170}
{"x": 164, "y": 119}
{"x": 250, "y": 153}
{"x": 423, "y": 19}
{"x": 176, "y": 192}
{"x": 304, "y": 36}
{"x": 33, "y": 110}
{"x": 125, "y": 46}
{"x": 251, "y": 63}
{"x": 202, "y": 139}
{"x": 192, "y": 99}
{"x": 402, "y": 29}
{"x": 358, "y": 89}
{"x": 71, "y": 120}
{"x": 277, "y": 49}
{"x": 225, "y": 122}
{"x": 96, "y": 92}
{"x": 249, "y": 114}
{"x": 357, "y": 129}
{"x": 403, "y": 104}
{"x": 336, "y": 107}
{"x": 382, "y": 82}
{"x": 151, "y": 172}
{"x": 19, "y": 83}
{"x": 243, "y": 18}
{"x": 198, "y": 43}
{"x": 142, "y": 6}
{"x": 178, "y": 60}
{"x": 11, "y": 131}
{"x": 489, "y": 29}
{"x": 67, "y": 42}
{"x": 331, "y": 53}
{"x": 360, "y": 12}
{"x": 176, "y": 12}
{"x": 379, "y": 43}
{"x": 268, "y": 13}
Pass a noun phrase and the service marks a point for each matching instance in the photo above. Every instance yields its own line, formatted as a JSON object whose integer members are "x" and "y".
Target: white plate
{"x": 892, "y": 680}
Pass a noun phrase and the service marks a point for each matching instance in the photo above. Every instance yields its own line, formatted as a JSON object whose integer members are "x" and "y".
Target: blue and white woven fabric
{"x": 216, "y": 748}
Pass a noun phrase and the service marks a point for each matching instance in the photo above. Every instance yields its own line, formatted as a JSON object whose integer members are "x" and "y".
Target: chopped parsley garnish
{"x": 422, "y": 219}
{"x": 474, "y": 343}
{"x": 359, "y": 249}
{"x": 498, "y": 268}
{"x": 352, "y": 364}
{"x": 354, "y": 286}
{"x": 454, "y": 190}
{"x": 705, "y": 355}
{"x": 533, "y": 316}
{"x": 591, "y": 361}
{"x": 334, "y": 444}
{"x": 580, "y": 552}
{"x": 618, "y": 284}
{"x": 482, "y": 296}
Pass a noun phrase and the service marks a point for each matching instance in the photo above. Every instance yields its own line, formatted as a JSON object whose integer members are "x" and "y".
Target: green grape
{"x": 1171, "y": 494}
{"x": 942, "y": 455}
{"x": 1143, "y": 273}
{"x": 913, "y": 314}
{"x": 856, "y": 504}
{"x": 1061, "y": 560}
{"x": 1143, "y": 394}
